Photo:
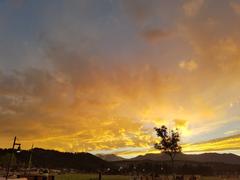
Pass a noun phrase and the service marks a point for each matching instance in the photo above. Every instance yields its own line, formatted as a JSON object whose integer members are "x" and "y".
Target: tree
{"x": 169, "y": 143}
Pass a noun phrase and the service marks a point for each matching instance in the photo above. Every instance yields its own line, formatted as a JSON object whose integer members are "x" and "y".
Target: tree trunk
{"x": 173, "y": 173}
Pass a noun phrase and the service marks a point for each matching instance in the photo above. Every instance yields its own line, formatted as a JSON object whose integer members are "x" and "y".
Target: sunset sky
{"x": 99, "y": 75}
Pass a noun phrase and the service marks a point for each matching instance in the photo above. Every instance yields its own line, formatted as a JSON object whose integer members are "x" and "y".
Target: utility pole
{"x": 30, "y": 161}
{"x": 12, "y": 153}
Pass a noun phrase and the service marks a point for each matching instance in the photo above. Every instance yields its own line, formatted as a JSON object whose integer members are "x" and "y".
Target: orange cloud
{"x": 236, "y": 7}
{"x": 85, "y": 100}
{"x": 192, "y": 7}
{"x": 190, "y": 65}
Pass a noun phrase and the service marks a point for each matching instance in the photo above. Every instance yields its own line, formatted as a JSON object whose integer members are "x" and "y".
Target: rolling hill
{"x": 205, "y": 157}
{"x": 110, "y": 157}
{"x": 54, "y": 159}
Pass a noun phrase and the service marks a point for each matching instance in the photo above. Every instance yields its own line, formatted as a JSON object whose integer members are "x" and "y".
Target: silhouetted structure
{"x": 12, "y": 154}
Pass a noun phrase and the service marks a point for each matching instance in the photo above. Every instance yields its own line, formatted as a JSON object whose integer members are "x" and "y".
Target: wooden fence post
{"x": 99, "y": 175}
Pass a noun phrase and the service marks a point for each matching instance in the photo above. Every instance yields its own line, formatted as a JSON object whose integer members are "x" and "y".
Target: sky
{"x": 98, "y": 75}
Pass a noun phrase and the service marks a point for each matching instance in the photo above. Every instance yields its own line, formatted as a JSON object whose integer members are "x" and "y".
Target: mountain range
{"x": 110, "y": 157}
{"x": 205, "y": 157}
{"x": 42, "y": 158}
{"x": 88, "y": 162}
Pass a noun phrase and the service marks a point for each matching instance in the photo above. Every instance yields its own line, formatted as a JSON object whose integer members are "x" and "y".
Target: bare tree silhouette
{"x": 169, "y": 143}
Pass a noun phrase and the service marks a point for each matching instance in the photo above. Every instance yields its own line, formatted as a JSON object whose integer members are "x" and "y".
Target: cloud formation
{"x": 236, "y": 7}
{"x": 155, "y": 35}
{"x": 223, "y": 144}
{"x": 191, "y": 7}
{"x": 190, "y": 65}
{"x": 100, "y": 87}
{"x": 219, "y": 144}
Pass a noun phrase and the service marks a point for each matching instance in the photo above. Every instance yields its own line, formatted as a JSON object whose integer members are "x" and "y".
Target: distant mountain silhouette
{"x": 110, "y": 157}
{"x": 87, "y": 162}
{"x": 54, "y": 159}
{"x": 205, "y": 157}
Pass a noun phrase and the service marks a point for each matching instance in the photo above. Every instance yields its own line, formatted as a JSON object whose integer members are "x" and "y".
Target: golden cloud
{"x": 219, "y": 144}
{"x": 87, "y": 101}
{"x": 180, "y": 123}
{"x": 190, "y": 65}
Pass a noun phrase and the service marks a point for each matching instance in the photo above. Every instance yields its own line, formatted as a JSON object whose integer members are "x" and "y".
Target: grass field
{"x": 90, "y": 177}
{"x": 106, "y": 177}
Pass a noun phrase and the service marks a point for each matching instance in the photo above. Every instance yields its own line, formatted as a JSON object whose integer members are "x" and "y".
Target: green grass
{"x": 90, "y": 177}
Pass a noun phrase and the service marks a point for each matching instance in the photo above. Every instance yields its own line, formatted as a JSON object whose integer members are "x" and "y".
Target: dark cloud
{"x": 155, "y": 35}
{"x": 140, "y": 10}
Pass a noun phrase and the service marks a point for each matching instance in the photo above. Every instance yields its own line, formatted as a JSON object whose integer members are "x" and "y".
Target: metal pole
{"x": 11, "y": 157}
{"x": 30, "y": 161}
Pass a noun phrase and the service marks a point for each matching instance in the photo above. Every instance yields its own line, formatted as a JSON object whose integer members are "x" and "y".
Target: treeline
{"x": 184, "y": 168}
